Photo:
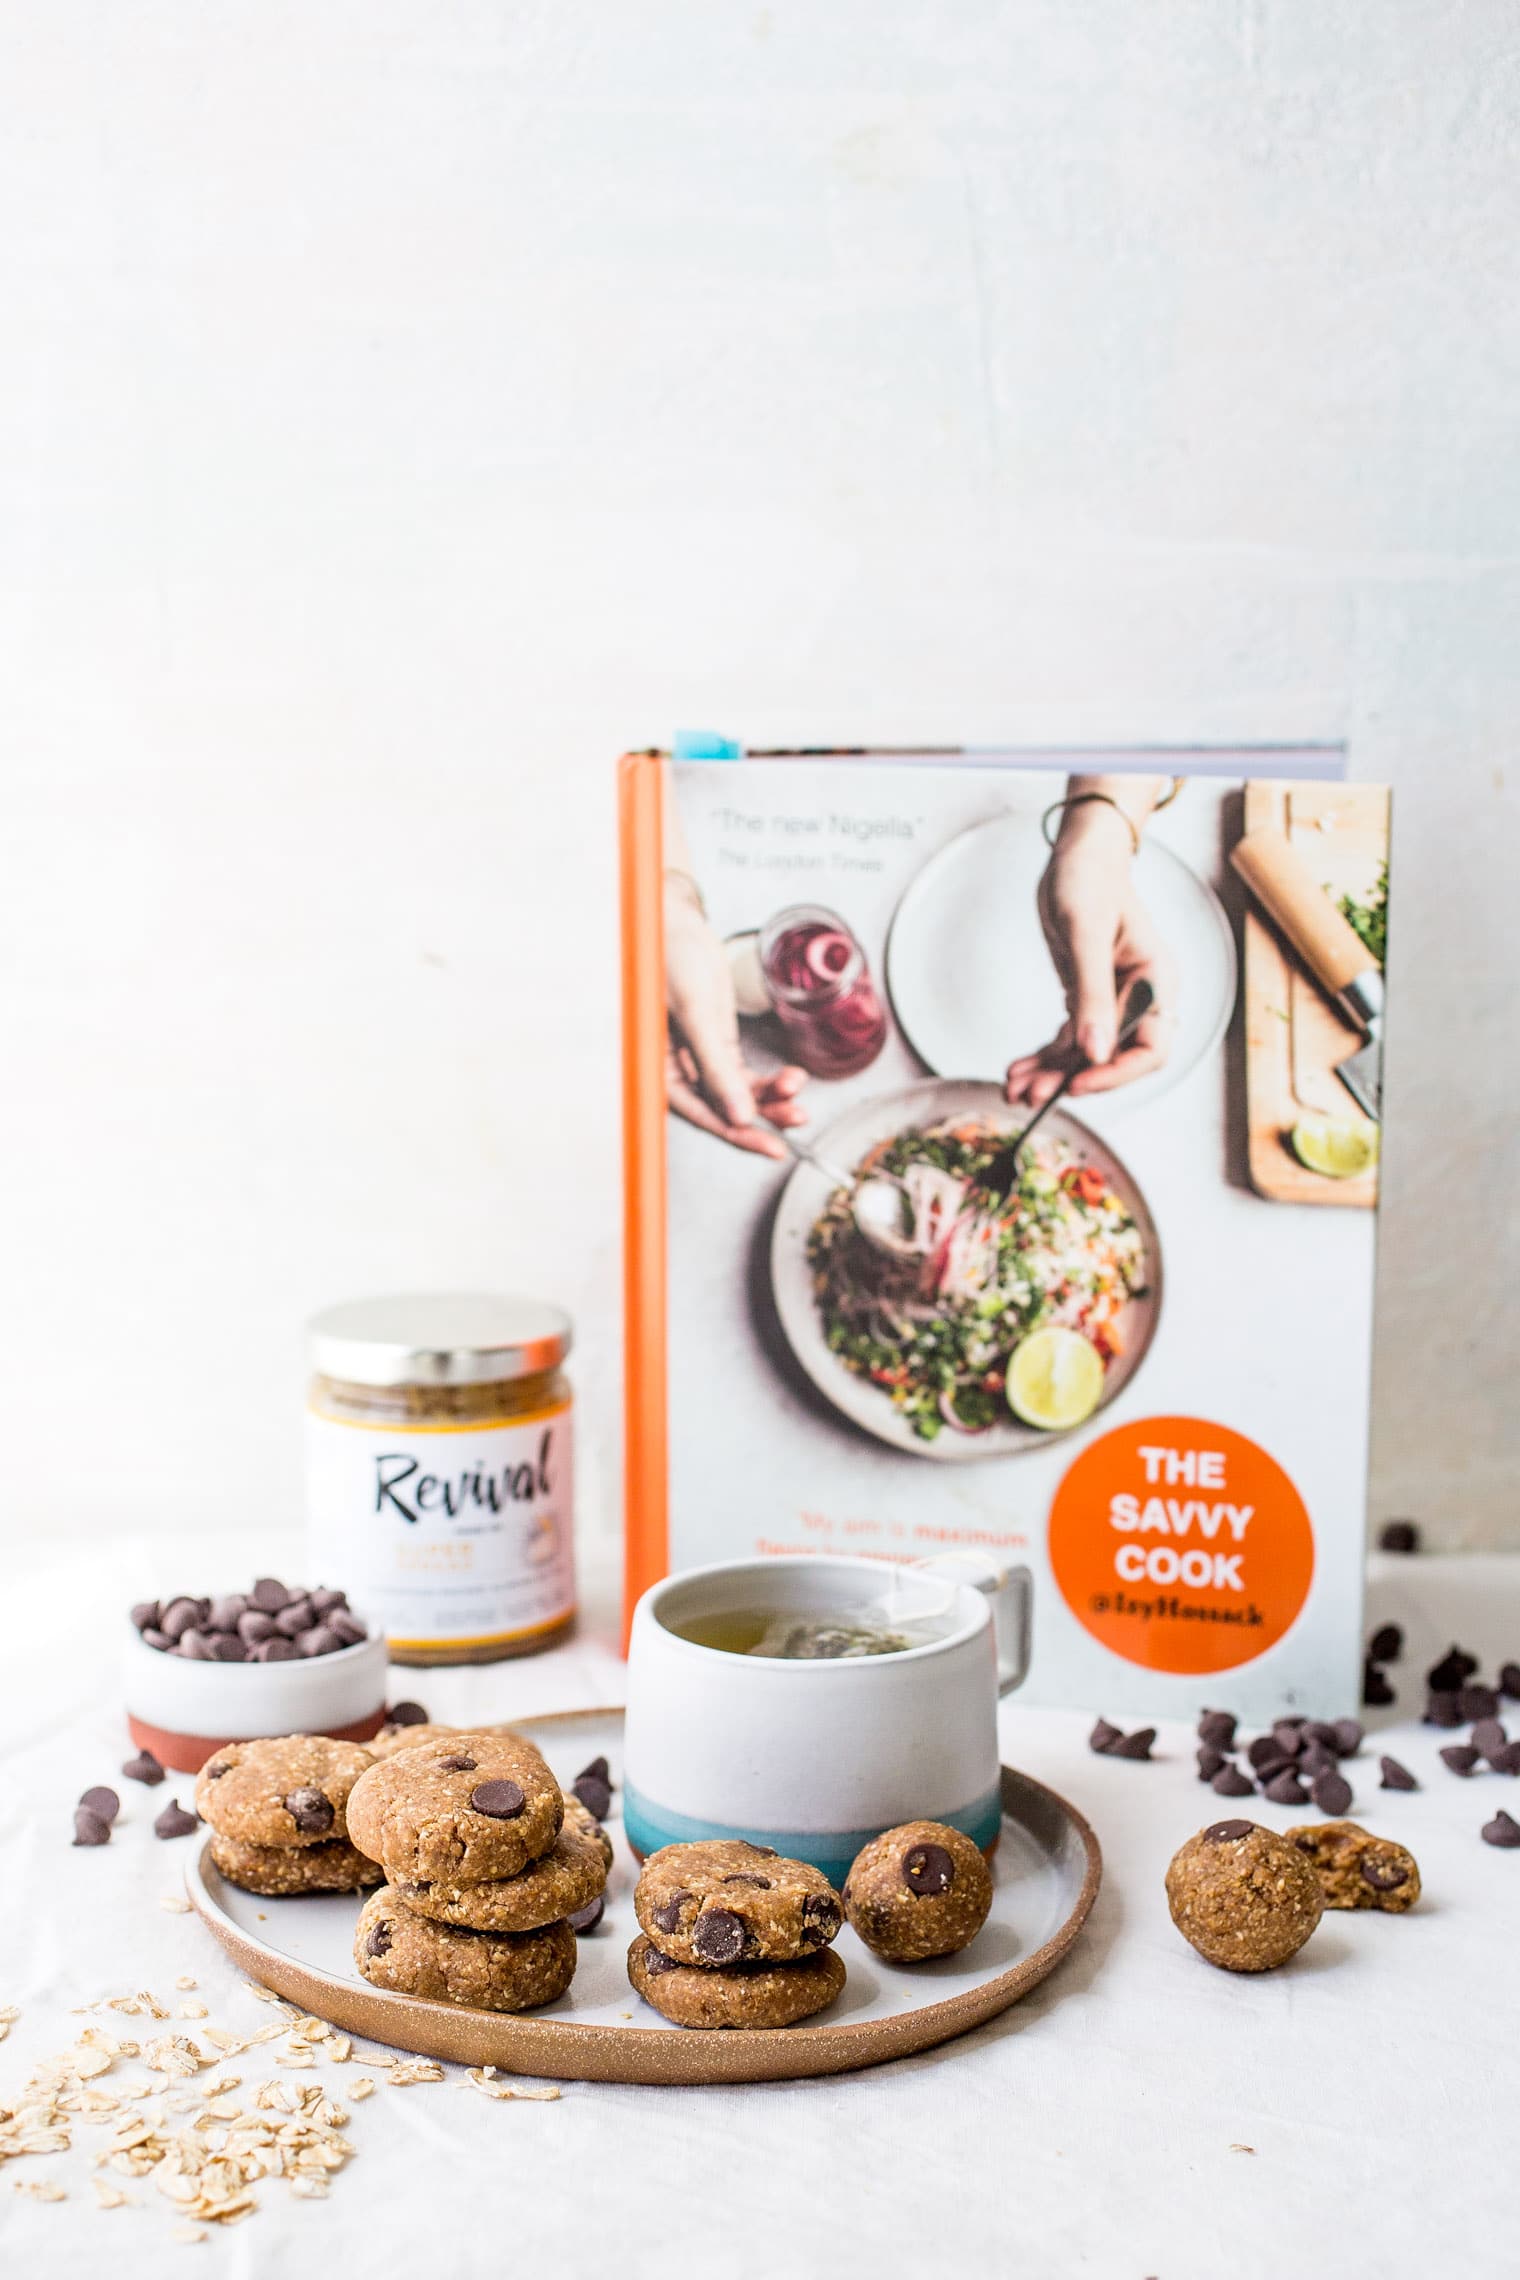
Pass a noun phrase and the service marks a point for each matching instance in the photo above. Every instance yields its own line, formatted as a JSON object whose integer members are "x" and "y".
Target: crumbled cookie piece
{"x": 1358, "y": 1870}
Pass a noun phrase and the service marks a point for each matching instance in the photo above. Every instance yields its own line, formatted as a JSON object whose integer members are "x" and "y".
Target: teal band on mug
{"x": 648, "y": 1826}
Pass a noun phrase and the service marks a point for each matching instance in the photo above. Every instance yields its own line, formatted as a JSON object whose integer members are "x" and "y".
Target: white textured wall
{"x": 402, "y": 406}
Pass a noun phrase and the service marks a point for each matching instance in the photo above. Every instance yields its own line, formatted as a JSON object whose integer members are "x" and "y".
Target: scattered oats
{"x": 295, "y": 2059}
{"x": 341, "y": 2050}
{"x": 1242, "y": 2149}
{"x": 404, "y": 2072}
{"x": 484, "y": 2079}
{"x": 9, "y": 2014}
{"x": 625, "y": 2014}
{"x": 223, "y": 2085}
{"x": 128, "y": 2003}
{"x": 111, "y": 2196}
{"x": 362, "y": 2088}
{"x": 40, "y": 2189}
{"x": 177, "y": 1907}
{"x": 151, "y": 2004}
{"x": 184, "y": 1980}
{"x": 266, "y": 1995}
{"x": 193, "y": 2011}
{"x": 175, "y": 2054}
{"x": 309, "y": 2187}
{"x": 187, "y": 2233}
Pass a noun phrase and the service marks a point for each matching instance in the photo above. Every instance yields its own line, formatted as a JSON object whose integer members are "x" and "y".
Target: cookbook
{"x": 1001, "y": 1165}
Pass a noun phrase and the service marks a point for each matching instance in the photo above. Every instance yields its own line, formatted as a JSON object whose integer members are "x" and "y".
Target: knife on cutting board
{"x": 1331, "y": 949}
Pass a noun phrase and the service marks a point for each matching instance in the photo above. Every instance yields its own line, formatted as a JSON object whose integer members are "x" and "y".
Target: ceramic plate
{"x": 1047, "y": 1872}
{"x": 807, "y": 1191}
{"x": 971, "y": 979}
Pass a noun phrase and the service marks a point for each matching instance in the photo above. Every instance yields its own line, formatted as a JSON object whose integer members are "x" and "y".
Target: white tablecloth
{"x": 1140, "y": 2114}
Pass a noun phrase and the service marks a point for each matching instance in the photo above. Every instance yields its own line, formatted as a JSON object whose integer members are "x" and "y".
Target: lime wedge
{"x": 1337, "y": 1146}
{"x": 1055, "y": 1379}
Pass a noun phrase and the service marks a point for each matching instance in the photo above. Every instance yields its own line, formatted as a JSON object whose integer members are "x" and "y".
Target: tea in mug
{"x": 796, "y": 1635}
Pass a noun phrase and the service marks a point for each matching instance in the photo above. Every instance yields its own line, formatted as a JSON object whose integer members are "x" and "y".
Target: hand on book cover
{"x": 706, "y": 1077}
{"x": 1101, "y": 938}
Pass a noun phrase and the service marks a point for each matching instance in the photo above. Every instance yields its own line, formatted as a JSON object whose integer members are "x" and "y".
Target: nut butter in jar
{"x": 439, "y": 1475}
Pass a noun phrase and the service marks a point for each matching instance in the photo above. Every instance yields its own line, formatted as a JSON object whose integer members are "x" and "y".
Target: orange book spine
{"x": 641, "y": 803}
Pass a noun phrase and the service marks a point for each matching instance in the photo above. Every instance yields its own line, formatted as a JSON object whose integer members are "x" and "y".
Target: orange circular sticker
{"x": 1181, "y": 1545}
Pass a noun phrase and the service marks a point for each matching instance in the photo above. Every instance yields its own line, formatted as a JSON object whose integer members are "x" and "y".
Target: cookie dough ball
{"x": 569, "y": 1877}
{"x": 723, "y": 1901}
{"x": 282, "y": 1871}
{"x": 1243, "y": 1896}
{"x": 487, "y": 1971}
{"x": 462, "y": 1810}
{"x": 292, "y": 1789}
{"x": 1356, "y": 1869}
{"x": 918, "y": 1891}
{"x": 745, "y": 1995}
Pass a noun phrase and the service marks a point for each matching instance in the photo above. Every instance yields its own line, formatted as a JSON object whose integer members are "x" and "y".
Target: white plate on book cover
{"x": 970, "y": 975}
{"x": 1046, "y": 1874}
{"x": 805, "y": 1194}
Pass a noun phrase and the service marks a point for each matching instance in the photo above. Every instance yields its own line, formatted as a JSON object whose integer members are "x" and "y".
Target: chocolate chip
{"x": 1231, "y": 1782}
{"x": 1441, "y": 1708}
{"x": 1210, "y": 1761}
{"x": 1285, "y": 1788}
{"x": 1396, "y": 1776}
{"x": 178, "y": 1617}
{"x": 1488, "y": 1738}
{"x": 174, "y": 1821}
{"x": 1135, "y": 1745}
{"x": 759, "y": 1883}
{"x": 668, "y": 1915}
{"x": 89, "y": 1828}
{"x": 350, "y": 1630}
{"x": 1217, "y": 1728}
{"x": 457, "y": 1764}
{"x": 1317, "y": 1759}
{"x": 821, "y": 1918}
{"x": 379, "y": 1940}
{"x": 160, "y": 1641}
{"x": 1454, "y": 1669}
{"x": 406, "y": 1714}
{"x": 656, "y": 1965}
{"x": 718, "y": 1936}
{"x": 1399, "y": 1536}
{"x": 272, "y": 1650}
{"x": 145, "y": 1768}
{"x": 195, "y": 1646}
{"x": 761, "y": 1852}
{"x": 1501, "y": 1830}
{"x": 311, "y": 1810}
{"x": 928, "y": 1870}
{"x": 1332, "y": 1794}
{"x": 586, "y": 1919}
{"x": 1382, "y": 1875}
{"x": 323, "y": 1602}
{"x": 1266, "y": 1749}
{"x": 227, "y": 1647}
{"x": 145, "y": 1615}
{"x": 498, "y": 1800}
{"x": 105, "y": 1802}
{"x": 1377, "y": 1693}
{"x": 269, "y": 1595}
{"x": 321, "y": 1639}
{"x": 594, "y": 1794}
{"x": 1509, "y": 1681}
{"x": 253, "y": 1625}
{"x": 1289, "y": 1734}
{"x": 1227, "y": 1832}
{"x": 1477, "y": 1702}
{"x": 1103, "y": 1737}
{"x": 1347, "y": 1737}
{"x": 225, "y": 1612}
{"x": 217, "y": 1768}
{"x": 1319, "y": 1730}
{"x": 1459, "y": 1758}
{"x": 1506, "y": 1760}
{"x": 597, "y": 1770}
{"x": 1386, "y": 1644}
{"x": 294, "y": 1619}
{"x": 1270, "y": 1767}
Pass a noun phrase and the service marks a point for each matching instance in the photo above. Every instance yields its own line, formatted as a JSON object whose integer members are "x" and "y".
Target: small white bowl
{"x": 183, "y": 1710}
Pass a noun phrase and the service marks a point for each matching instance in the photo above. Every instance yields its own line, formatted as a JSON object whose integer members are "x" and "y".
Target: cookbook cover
{"x": 874, "y": 1306}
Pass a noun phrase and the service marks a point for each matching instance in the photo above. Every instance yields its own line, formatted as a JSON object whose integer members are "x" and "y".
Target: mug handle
{"x": 1011, "y": 1594}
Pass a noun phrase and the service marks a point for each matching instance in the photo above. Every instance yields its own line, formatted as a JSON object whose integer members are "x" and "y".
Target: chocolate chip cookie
{"x": 291, "y": 1790}
{"x": 569, "y": 1877}
{"x": 723, "y": 1901}
{"x": 920, "y": 1890}
{"x": 282, "y": 1870}
{"x": 392, "y": 1738}
{"x": 742, "y": 1995}
{"x": 1356, "y": 1869}
{"x": 458, "y": 1811}
{"x": 1243, "y": 1896}
{"x": 489, "y": 1971}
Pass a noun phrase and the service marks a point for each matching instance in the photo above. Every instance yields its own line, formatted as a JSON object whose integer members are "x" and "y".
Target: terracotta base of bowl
{"x": 187, "y": 1753}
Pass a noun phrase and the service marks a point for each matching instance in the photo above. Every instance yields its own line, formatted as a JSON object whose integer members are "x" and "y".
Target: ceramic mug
{"x": 814, "y": 1758}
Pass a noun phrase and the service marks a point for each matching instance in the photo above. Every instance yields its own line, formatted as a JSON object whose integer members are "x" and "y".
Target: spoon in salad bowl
{"x": 881, "y": 1205}
{"x": 1001, "y": 1175}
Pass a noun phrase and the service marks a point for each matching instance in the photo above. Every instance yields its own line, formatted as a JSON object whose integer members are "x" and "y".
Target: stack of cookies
{"x": 489, "y": 1869}
{"x": 277, "y": 1810}
{"x": 734, "y": 1936}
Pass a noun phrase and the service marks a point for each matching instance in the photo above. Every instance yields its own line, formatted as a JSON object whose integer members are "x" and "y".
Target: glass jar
{"x": 439, "y": 1471}
{"x": 822, "y": 991}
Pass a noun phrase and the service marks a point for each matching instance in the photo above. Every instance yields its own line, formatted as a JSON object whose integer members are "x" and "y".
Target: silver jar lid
{"x": 438, "y": 1338}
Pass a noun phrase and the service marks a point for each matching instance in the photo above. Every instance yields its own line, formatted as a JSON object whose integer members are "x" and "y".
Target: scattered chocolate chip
{"x": 1103, "y": 1737}
{"x": 1441, "y": 1708}
{"x": 105, "y": 1802}
{"x": 457, "y": 1764}
{"x": 1346, "y": 1737}
{"x": 1454, "y": 1669}
{"x": 1227, "y": 1832}
{"x": 1477, "y": 1702}
{"x": 1316, "y": 1760}
{"x": 1501, "y": 1830}
{"x": 1382, "y": 1875}
{"x": 656, "y": 1965}
{"x": 928, "y": 1870}
{"x": 1377, "y": 1692}
{"x": 89, "y": 1828}
{"x": 1460, "y": 1757}
{"x": 1217, "y": 1728}
{"x": 668, "y": 1915}
{"x": 718, "y": 1936}
{"x": 586, "y": 1919}
{"x": 1386, "y": 1644}
{"x": 1210, "y": 1761}
{"x": 1285, "y": 1788}
{"x": 1135, "y": 1745}
{"x": 269, "y": 1595}
{"x": 1270, "y": 1767}
{"x": 1332, "y": 1794}
{"x": 759, "y": 1883}
{"x": 174, "y": 1821}
{"x": 1264, "y": 1750}
{"x": 145, "y": 1768}
{"x": 498, "y": 1800}
{"x": 407, "y": 1714}
{"x": 1396, "y": 1776}
{"x": 1488, "y": 1738}
{"x": 1506, "y": 1760}
{"x": 253, "y": 1625}
{"x": 597, "y": 1770}
{"x": 379, "y": 1940}
{"x": 311, "y": 1810}
{"x": 321, "y": 1639}
{"x": 1319, "y": 1730}
{"x": 1231, "y": 1782}
{"x": 594, "y": 1794}
{"x": 1509, "y": 1681}
{"x": 1399, "y": 1536}
{"x": 145, "y": 1615}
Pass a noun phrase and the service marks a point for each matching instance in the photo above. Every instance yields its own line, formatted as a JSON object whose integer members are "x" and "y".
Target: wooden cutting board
{"x": 1294, "y": 1035}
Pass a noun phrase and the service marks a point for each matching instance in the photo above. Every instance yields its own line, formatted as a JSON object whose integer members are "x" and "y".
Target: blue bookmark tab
{"x": 704, "y": 744}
